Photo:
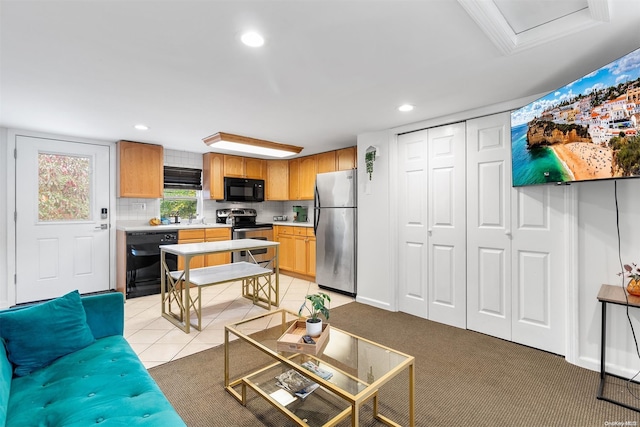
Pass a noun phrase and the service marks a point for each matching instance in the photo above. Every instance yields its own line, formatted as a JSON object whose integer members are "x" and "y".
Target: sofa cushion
{"x": 38, "y": 335}
{"x": 104, "y": 383}
{"x": 5, "y": 382}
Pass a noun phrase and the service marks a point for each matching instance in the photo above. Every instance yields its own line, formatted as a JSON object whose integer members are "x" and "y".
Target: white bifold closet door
{"x": 432, "y": 252}
{"x": 516, "y": 245}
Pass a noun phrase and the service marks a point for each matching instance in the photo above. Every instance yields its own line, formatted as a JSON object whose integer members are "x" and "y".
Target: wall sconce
{"x": 227, "y": 141}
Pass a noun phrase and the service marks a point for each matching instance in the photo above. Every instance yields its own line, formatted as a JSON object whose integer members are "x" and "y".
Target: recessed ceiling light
{"x": 405, "y": 107}
{"x": 252, "y": 39}
{"x": 141, "y": 127}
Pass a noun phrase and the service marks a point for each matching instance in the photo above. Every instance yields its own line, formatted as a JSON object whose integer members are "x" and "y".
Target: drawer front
{"x": 197, "y": 233}
{"x": 218, "y": 233}
{"x": 300, "y": 231}
{"x": 286, "y": 229}
{"x": 310, "y": 232}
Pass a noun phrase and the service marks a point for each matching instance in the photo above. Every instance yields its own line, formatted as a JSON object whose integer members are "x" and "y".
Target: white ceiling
{"x": 329, "y": 70}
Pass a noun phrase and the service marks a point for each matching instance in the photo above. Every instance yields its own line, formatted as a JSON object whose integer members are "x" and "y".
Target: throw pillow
{"x": 38, "y": 335}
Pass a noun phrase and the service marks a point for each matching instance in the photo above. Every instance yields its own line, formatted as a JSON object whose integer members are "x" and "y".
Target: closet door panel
{"x": 447, "y": 227}
{"x": 489, "y": 226}
{"x": 412, "y": 217}
{"x": 539, "y": 268}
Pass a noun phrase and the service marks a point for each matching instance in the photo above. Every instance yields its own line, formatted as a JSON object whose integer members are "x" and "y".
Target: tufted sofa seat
{"x": 103, "y": 383}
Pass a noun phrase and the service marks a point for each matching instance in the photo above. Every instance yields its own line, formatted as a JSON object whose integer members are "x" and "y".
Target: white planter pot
{"x": 314, "y": 329}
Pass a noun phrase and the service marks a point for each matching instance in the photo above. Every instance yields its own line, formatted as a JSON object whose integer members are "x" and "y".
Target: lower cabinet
{"x": 217, "y": 235}
{"x": 297, "y": 250}
{"x": 200, "y": 235}
{"x": 191, "y": 236}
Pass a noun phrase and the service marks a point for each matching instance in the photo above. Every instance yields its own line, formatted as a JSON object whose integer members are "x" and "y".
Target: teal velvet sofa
{"x": 65, "y": 362}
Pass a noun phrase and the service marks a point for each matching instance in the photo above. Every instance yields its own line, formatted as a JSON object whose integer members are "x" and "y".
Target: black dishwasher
{"x": 143, "y": 261}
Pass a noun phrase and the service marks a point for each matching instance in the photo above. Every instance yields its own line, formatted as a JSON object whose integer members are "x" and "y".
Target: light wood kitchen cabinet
{"x": 326, "y": 162}
{"x": 294, "y": 179}
{"x": 234, "y": 166}
{"x": 307, "y": 176}
{"x": 255, "y": 168}
{"x": 217, "y": 235}
{"x": 277, "y": 181}
{"x": 311, "y": 255}
{"x": 244, "y": 167}
{"x": 297, "y": 251}
{"x": 213, "y": 176}
{"x": 191, "y": 236}
{"x": 346, "y": 159}
{"x": 141, "y": 170}
{"x": 302, "y": 178}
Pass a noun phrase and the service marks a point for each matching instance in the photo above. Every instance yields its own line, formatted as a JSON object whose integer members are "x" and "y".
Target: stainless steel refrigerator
{"x": 335, "y": 226}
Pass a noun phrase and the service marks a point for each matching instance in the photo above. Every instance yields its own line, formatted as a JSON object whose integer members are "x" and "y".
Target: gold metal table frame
{"x": 258, "y": 283}
{"x": 344, "y": 393}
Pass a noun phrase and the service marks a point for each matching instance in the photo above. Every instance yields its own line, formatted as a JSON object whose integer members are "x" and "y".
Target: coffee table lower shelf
{"x": 320, "y": 408}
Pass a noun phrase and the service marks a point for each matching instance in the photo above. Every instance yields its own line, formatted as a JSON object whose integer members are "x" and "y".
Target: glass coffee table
{"x": 347, "y": 371}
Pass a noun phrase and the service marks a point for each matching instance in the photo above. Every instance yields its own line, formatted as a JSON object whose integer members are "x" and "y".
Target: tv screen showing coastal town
{"x": 585, "y": 130}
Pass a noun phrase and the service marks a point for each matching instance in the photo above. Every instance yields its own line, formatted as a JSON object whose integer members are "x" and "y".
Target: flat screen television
{"x": 586, "y": 130}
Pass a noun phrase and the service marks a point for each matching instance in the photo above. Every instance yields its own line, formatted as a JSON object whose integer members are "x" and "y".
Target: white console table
{"x": 257, "y": 283}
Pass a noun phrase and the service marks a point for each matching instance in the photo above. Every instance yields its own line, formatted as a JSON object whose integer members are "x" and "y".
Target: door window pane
{"x": 64, "y": 187}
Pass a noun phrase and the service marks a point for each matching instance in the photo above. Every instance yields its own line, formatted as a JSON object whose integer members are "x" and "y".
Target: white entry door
{"x": 62, "y": 241}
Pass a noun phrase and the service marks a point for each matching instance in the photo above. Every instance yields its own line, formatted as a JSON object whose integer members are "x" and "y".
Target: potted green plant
{"x": 318, "y": 307}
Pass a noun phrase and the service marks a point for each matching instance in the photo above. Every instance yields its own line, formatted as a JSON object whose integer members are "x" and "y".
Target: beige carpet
{"x": 463, "y": 378}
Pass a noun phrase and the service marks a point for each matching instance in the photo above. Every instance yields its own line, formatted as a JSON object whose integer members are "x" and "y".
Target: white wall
{"x": 376, "y": 279}
{"x": 599, "y": 264}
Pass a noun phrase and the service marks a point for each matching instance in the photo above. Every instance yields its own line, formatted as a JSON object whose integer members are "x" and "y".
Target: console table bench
{"x": 250, "y": 274}
{"x": 260, "y": 284}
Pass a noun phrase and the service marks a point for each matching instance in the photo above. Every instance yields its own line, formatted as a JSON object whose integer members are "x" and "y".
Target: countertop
{"x": 142, "y": 226}
{"x": 293, "y": 223}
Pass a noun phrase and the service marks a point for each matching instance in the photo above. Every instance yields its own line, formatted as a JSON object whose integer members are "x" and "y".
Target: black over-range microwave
{"x": 243, "y": 190}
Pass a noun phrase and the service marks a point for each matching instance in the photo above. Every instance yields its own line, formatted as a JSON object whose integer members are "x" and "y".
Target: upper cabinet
{"x": 326, "y": 162}
{"x": 244, "y": 167}
{"x": 213, "y": 176}
{"x": 141, "y": 170}
{"x": 277, "y": 181}
{"x": 255, "y": 168}
{"x": 293, "y": 179}
{"x": 346, "y": 159}
{"x": 302, "y": 178}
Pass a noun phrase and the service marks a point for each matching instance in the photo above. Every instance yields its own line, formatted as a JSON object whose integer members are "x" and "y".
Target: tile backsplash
{"x": 129, "y": 209}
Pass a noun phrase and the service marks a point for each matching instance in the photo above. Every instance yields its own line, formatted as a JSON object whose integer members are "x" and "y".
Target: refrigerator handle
{"x": 316, "y": 211}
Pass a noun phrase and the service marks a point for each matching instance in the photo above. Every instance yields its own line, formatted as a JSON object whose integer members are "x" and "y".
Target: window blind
{"x": 182, "y": 178}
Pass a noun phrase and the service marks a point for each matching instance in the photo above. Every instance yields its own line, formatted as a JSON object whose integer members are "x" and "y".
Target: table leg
{"x": 412, "y": 407}
{"x": 603, "y": 343}
{"x": 187, "y": 294}
{"x": 277, "y": 276}
{"x": 163, "y": 279}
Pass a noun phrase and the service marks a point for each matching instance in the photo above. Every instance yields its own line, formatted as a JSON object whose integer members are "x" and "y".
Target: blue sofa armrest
{"x": 105, "y": 314}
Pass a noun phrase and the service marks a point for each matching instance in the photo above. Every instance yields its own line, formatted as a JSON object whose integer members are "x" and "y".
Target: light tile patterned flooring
{"x": 157, "y": 341}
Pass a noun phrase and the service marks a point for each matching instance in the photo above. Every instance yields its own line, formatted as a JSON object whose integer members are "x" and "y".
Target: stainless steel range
{"x": 244, "y": 226}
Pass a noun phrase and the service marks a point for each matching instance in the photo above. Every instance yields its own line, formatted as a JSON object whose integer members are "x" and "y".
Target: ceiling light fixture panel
{"x": 243, "y": 144}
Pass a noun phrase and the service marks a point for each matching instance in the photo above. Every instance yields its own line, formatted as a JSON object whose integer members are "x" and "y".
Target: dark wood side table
{"x": 610, "y": 294}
